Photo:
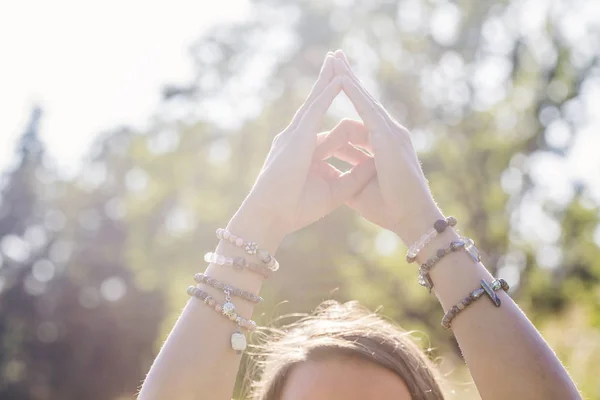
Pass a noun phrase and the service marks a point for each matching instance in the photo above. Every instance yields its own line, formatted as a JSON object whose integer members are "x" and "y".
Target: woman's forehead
{"x": 343, "y": 378}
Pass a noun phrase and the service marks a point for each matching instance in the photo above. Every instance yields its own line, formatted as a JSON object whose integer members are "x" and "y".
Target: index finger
{"x": 325, "y": 76}
{"x": 373, "y": 120}
{"x": 344, "y": 67}
{"x": 315, "y": 113}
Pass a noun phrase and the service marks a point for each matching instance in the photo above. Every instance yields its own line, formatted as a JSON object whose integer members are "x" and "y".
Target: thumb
{"x": 350, "y": 183}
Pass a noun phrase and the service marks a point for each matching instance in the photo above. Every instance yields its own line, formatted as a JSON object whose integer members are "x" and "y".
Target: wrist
{"x": 264, "y": 232}
{"x": 411, "y": 230}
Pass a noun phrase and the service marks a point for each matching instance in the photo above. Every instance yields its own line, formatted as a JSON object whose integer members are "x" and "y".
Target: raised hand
{"x": 398, "y": 197}
{"x": 294, "y": 188}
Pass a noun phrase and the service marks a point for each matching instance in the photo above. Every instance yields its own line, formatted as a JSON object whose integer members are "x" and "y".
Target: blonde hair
{"x": 336, "y": 329}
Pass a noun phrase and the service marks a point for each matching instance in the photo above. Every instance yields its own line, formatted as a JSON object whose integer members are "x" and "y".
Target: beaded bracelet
{"x": 463, "y": 243}
{"x": 228, "y": 290}
{"x": 250, "y": 248}
{"x": 238, "y": 263}
{"x": 438, "y": 227}
{"x": 487, "y": 288}
{"x": 238, "y": 339}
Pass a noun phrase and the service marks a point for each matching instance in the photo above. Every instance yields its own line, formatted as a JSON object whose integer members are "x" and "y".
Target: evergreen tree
{"x": 73, "y": 322}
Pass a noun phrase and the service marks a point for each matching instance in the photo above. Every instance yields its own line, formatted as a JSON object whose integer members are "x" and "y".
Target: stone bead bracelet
{"x": 229, "y": 290}
{"x": 486, "y": 288}
{"x": 249, "y": 247}
{"x": 229, "y": 312}
{"x": 438, "y": 227}
{"x": 463, "y": 243}
{"x": 238, "y": 339}
{"x": 238, "y": 263}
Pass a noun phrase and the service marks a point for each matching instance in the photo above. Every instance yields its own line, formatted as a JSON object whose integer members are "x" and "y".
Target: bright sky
{"x": 93, "y": 66}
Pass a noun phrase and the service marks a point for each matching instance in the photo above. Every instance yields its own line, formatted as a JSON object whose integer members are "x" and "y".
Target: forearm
{"x": 197, "y": 361}
{"x": 506, "y": 355}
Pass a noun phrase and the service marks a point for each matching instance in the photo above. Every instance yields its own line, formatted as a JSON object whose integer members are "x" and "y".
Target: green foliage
{"x": 158, "y": 196}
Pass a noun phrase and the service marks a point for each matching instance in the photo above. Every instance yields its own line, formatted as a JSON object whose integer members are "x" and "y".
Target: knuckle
{"x": 348, "y": 123}
{"x": 278, "y": 139}
{"x": 402, "y": 130}
{"x": 275, "y": 141}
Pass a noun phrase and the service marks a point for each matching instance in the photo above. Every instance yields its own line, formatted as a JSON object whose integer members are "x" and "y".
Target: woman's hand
{"x": 294, "y": 188}
{"x": 398, "y": 197}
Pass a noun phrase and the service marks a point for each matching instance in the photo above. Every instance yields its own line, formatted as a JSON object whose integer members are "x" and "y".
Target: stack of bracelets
{"x": 468, "y": 246}
{"x": 268, "y": 265}
{"x": 265, "y": 269}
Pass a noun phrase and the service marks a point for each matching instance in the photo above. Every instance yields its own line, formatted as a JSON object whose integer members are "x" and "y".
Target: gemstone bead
{"x": 457, "y": 244}
{"x": 472, "y": 250}
{"x": 440, "y": 225}
{"x": 425, "y": 280}
{"x": 251, "y": 248}
{"x": 451, "y": 221}
{"x": 239, "y": 242}
{"x": 226, "y": 235}
{"x": 207, "y": 257}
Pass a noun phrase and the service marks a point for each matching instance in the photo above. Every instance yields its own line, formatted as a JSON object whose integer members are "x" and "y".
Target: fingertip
{"x": 327, "y": 70}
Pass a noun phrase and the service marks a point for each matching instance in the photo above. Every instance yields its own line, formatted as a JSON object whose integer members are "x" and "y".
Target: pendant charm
{"x": 228, "y": 309}
{"x": 490, "y": 292}
{"x": 238, "y": 342}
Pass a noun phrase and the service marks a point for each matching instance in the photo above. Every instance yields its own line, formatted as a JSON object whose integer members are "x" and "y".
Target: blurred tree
{"x": 20, "y": 238}
{"x": 72, "y": 323}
